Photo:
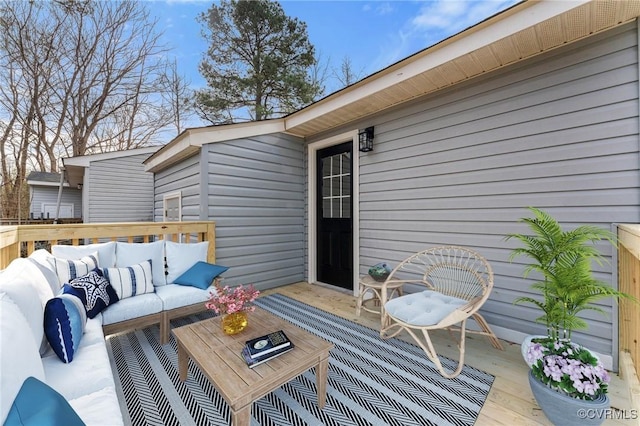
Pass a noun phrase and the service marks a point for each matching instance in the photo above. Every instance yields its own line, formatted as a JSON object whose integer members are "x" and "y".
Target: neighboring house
{"x": 43, "y": 196}
{"x": 115, "y": 186}
{"x": 536, "y": 106}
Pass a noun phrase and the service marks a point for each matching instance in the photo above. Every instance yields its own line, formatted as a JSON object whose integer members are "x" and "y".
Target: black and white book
{"x": 252, "y": 362}
{"x": 268, "y": 343}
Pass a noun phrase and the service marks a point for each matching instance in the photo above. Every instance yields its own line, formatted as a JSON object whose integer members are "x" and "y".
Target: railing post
{"x": 211, "y": 237}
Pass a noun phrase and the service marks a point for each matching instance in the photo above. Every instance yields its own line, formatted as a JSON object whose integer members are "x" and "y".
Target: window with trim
{"x": 172, "y": 207}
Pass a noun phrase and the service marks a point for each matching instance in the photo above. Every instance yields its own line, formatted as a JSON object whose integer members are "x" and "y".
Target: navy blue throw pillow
{"x": 94, "y": 290}
{"x": 64, "y": 320}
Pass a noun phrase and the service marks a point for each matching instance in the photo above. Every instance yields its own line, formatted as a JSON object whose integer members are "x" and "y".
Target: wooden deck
{"x": 510, "y": 401}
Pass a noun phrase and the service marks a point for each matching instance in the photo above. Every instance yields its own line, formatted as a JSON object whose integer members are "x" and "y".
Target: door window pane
{"x": 336, "y": 186}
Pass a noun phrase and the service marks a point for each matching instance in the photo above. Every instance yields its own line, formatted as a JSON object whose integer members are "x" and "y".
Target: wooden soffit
{"x": 521, "y": 32}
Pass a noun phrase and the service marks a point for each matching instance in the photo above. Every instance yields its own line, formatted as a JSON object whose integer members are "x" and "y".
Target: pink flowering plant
{"x": 227, "y": 300}
{"x": 569, "y": 368}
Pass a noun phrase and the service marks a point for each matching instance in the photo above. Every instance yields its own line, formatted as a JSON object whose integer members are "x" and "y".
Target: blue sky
{"x": 373, "y": 34}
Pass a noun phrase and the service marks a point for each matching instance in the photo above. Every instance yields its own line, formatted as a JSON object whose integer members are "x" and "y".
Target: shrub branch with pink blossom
{"x": 569, "y": 368}
{"x": 228, "y": 300}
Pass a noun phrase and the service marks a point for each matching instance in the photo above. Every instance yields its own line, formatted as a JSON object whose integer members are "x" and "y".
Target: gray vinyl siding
{"x": 184, "y": 177}
{"x": 120, "y": 190}
{"x": 559, "y": 132}
{"x": 49, "y": 195}
{"x": 256, "y": 196}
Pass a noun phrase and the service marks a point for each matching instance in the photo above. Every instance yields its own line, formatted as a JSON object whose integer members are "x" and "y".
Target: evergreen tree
{"x": 257, "y": 65}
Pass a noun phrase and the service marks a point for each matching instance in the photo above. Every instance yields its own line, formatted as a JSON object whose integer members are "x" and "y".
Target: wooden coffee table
{"x": 219, "y": 357}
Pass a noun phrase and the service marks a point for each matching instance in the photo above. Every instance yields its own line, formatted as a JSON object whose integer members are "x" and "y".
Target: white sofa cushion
{"x": 176, "y": 296}
{"x": 99, "y": 408}
{"x": 181, "y": 257}
{"x": 89, "y": 372}
{"x": 128, "y": 254}
{"x": 92, "y": 332}
{"x": 20, "y": 357}
{"x": 29, "y": 289}
{"x": 133, "y": 307}
{"x": 40, "y": 259}
{"x": 106, "y": 252}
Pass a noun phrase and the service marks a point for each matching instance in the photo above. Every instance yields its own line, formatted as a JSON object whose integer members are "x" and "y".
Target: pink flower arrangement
{"x": 568, "y": 368}
{"x": 227, "y": 300}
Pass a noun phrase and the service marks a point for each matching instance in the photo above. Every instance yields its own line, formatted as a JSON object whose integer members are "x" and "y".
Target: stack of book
{"x": 262, "y": 349}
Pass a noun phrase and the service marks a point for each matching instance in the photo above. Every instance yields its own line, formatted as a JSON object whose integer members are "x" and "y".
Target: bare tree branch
{"x": 79, "y": 77}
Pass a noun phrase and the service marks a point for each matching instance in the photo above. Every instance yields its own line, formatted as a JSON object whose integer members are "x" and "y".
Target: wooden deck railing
{"x": 629, "y": 313}
{"x": 22, "y": 240}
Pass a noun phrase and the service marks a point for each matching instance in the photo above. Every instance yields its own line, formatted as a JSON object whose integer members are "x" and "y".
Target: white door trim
{"x": 312, "y": 150}
{"x": 177, "y": 195}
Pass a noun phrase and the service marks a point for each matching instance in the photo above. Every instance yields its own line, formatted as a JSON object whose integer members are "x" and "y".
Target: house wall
{"x": 185, "y": 178}
{"x": 255, "y": 193}
{"x": 559, "y": 132}
{"x": 119, "y": 190}
{"x": 49, "y": 195}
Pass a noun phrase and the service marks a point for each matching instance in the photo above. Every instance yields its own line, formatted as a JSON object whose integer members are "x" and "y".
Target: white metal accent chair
{"x": 454, "y": 282}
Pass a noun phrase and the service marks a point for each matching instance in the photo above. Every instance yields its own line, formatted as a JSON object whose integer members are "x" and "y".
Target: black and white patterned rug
{"x": 370, "y": 382}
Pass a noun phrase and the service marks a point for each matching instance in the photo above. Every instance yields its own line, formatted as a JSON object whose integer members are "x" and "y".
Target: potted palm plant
{"x": 562, "y": 264}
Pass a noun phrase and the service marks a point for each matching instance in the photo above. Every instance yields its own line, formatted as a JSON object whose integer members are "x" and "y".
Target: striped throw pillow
{"x": 67, "y": 269}
{"x": 132, "y": 280}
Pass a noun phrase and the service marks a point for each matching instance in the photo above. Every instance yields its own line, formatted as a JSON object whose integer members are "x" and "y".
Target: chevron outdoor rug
{"x": 370, "y": 382}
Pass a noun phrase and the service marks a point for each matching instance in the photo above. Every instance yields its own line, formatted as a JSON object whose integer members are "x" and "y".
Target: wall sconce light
{"x": 79, "y": 186}
{"x": 365, "y": 138}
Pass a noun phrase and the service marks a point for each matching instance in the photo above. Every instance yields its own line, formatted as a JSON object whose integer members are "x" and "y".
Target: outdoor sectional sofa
{"x": 79, "y": 370}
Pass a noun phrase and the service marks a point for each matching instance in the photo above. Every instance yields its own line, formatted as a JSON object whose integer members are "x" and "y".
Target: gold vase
{"x": 234, "y": 323}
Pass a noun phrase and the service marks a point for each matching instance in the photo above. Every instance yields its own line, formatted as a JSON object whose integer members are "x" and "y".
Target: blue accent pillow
{"x": 64, "y": 322}
{"x": 200, "y": 275}
{"x": 38, "y": 405}
{"x": 94, "y": 290}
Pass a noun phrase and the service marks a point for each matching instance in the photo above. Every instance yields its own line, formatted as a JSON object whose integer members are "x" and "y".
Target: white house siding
{"x": 256, "y": 196}
{"x": 559, "y": 132}
{"x": 183, "y": 177}
{"x": 119, "y": 190}
{"x": 49, "y": 195}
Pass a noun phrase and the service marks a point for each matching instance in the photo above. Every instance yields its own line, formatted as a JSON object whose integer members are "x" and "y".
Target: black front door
{"x": 335, "y": 242}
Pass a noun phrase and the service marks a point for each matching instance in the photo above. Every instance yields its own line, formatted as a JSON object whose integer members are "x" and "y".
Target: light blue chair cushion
{"x": 423, "y": 308}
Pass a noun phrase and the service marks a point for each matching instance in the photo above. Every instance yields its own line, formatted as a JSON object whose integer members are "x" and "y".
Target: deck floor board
{"x": 510, "y": 401}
